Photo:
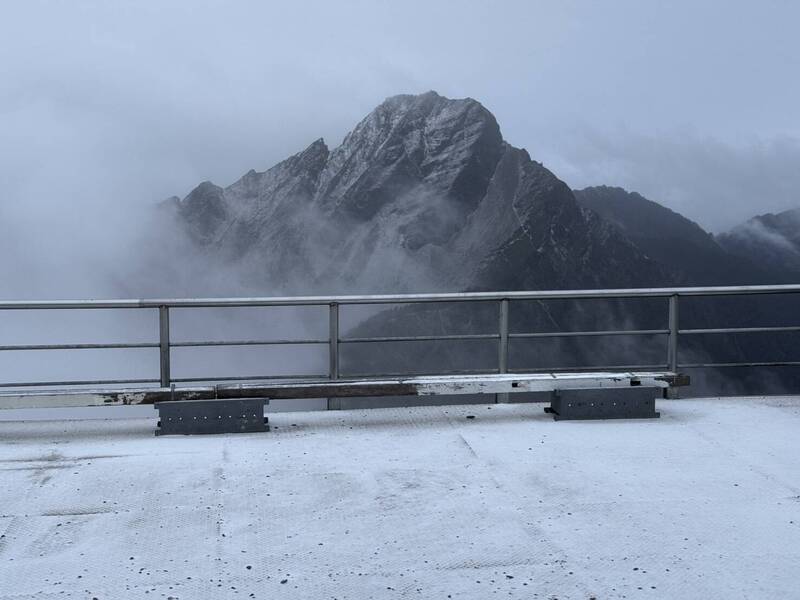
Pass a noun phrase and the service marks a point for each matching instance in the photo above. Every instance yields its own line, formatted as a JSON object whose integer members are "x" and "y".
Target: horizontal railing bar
{"x": 741, "y": 364}
{"x": 245, "y": 343}
{"x": 739, "y": 330}
{"x": 401, "y": 298}
{"x": 248, "y": 378}
{"x": 552, "y": 334}
{"x": 76, "y": 346}
{"x": 488, "y": 336}
{"x": 82, "y": 382}
{"x": 420, "y": 373}
{"x": 421, "y": 338}
{"x": 591, "y": 369}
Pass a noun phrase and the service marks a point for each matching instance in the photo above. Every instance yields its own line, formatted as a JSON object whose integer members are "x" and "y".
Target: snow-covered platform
{"x": 409, "y": 503}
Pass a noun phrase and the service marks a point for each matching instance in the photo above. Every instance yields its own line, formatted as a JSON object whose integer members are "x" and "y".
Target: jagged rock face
{"x": 205, "y": 212}
{"x": 771, "y": 239}
{"x": 429, "y": 144}
{"x": 423, "y": 194}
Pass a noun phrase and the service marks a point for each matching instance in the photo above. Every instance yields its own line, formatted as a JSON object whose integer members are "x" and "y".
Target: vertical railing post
{"x": 333, "y": 341}
{"x": 672, "y": 343}
{"x": 163, "y": 344}
{"x": 502, "y": 350}
{"x": 333, "y": 352}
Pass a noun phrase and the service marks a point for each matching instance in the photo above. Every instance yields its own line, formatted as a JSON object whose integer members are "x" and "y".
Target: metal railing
{"x": 334, "y": 341}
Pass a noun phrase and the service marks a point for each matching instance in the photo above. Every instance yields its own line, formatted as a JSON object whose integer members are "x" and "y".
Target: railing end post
{"x": 163, "y": 345}
{"x": 672, "y": 343}
{"x": 333, "y": 340}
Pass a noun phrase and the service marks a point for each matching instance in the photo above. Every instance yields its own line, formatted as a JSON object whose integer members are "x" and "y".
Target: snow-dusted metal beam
{"x": 410, "y": 386}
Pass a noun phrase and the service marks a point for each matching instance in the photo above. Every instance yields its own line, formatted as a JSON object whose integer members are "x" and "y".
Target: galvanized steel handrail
{"x": 403, "y": 298}
{"x": 334, "y": 340}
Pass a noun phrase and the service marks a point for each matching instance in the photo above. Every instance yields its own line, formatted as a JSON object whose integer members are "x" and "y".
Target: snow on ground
{"x": 409, "y": 503}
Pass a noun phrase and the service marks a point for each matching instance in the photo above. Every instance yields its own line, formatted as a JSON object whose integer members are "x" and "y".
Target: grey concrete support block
{"x": 633, "y": 403}
{"x": 189, "y": 417}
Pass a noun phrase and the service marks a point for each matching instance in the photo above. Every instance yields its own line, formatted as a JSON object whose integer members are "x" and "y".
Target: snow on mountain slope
{"x": 424, "y": 193}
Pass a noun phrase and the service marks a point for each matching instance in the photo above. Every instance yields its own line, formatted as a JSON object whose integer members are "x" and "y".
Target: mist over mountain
{"x": 425, "y": 194}
{"x": 422, "y": 194}
{"x": 771, "y": 240}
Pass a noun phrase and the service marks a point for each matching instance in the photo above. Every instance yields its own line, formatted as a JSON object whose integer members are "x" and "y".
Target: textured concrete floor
{"x": 409, "y": 503}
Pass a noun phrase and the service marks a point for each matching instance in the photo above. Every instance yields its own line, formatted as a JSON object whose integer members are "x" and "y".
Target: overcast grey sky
{"x": 105, "y": 104}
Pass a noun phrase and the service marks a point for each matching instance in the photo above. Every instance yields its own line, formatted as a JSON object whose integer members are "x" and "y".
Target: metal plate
{"x": 638, "y": 403}
{"x": 211, "y": 416}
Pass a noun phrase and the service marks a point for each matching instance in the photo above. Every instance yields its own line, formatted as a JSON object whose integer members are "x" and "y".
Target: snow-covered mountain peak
{"x": 423, "y": 193}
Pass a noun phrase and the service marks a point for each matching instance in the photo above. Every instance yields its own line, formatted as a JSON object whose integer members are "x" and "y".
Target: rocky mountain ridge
{"x": 424, "y": 193}
{"x": 772, "y": 240}
{"x": 676, "y": 242}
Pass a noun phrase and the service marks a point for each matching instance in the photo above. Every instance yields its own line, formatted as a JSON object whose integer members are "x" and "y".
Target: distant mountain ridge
{"x": 676, "y": 242}
{"x": 771, "y": 239}
{"x": 423, "y": 193}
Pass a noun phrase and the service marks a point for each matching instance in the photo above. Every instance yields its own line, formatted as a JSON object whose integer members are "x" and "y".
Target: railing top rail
{"x": 741, "y": 290}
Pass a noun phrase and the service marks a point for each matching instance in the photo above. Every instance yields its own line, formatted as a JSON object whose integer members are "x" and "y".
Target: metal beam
{"x": 740, "y": 290}
{"x": 411, "y": 386}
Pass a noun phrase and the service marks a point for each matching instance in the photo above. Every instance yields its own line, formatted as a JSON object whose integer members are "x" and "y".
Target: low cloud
{"x": 716, "y": 183}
